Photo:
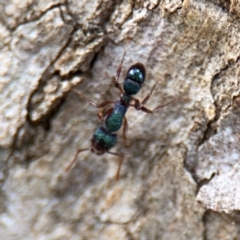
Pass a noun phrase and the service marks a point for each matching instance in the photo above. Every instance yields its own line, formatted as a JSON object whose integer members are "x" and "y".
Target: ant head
{"x": 103, "y": 140}
{"x": 134, "y": 79}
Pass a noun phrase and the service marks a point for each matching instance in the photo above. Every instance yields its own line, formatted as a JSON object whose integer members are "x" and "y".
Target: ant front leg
{"x": 75, "y": 158}
{"x": 140, "y": 105}
{"x": 146, "y": 110}
{"x": 119, "y": 164}
{"x": 116, "y": 83}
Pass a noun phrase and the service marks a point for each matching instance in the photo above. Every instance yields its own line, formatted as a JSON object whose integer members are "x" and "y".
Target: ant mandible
{"x": 105, "y": 137}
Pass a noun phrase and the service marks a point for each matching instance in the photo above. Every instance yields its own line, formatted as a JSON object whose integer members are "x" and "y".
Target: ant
{"x": 105, "y": 137}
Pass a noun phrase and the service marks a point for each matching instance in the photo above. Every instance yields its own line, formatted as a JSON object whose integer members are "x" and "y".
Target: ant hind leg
{"x": 140, "y": 105}
{"x": 100, "y": 105}
{"x": 116, "y": 83}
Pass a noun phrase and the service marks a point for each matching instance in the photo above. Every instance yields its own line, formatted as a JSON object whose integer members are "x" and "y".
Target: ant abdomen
{"x": 134, "y": 79}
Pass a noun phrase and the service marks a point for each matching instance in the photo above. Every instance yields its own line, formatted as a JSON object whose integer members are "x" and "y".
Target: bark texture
{"x": 180, "y": 176}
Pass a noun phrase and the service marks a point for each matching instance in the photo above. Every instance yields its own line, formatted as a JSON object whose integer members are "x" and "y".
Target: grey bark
{"x": 180, "y": 175}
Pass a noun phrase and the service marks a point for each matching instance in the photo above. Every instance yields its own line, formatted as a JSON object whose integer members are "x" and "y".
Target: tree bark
{"x": 180, "y": 175}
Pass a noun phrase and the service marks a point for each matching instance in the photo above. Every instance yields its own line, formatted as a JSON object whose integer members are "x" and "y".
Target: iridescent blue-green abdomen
{"x": 134, "y": 79}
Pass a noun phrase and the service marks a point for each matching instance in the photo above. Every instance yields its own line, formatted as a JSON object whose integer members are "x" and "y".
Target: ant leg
{"x": 125, "y": 128}
{"x": 102, "y": 115}
{"x": 101, "y": 105}
{"x": 116, "y": 83}
{"x": 75, "y": 158}
{"x": 119, "y": 164}
{"x": 140, "y": 105}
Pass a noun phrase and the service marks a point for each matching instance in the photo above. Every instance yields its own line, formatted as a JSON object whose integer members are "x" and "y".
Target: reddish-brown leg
{"x": 140, "y": 105}
{"x": 100, "y": 105}
{"x": 75, "y": 158}
{"x": 116, "y": 83}
{"x": 119, "y": 164}
{"x": 102, "y": 116}
{"x": 146, "y": 110}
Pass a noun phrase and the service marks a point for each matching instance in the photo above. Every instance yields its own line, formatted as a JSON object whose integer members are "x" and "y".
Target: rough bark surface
{"x": 180, "y": 176}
